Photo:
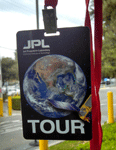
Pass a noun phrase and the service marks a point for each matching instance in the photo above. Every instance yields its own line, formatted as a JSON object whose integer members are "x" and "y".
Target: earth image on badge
{"x": 54, "y": 86}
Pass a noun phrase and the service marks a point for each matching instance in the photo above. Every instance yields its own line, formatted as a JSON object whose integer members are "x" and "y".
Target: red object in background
{"x": 52, "y": 3}
{"x": 95, "y": 143}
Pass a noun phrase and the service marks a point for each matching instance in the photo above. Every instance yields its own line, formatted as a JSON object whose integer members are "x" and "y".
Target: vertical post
{"x": 9, "y": 106}
{"x": 0, "y": 78}
{"x": 1, "y": 99}
{"x": 37, "y": 14}
{"x": 43, "y": 144}
{"x": 42, "y": 147}
{"x": 110, "y": 107}
{"x": 1, "y": 107}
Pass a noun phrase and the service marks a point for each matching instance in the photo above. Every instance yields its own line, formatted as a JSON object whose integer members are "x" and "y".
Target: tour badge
{"x": 55, "y": 82}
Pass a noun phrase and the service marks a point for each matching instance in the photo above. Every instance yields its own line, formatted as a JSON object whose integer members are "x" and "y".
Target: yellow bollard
{"x": 43, "y": 144}
{"x": 9, "y": 106}
{"x": 110, "y": 107}
{"x": 1, "y": 107}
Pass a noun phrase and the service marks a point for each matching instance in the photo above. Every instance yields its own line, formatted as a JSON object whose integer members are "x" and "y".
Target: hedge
{"x": 16, "y": 103}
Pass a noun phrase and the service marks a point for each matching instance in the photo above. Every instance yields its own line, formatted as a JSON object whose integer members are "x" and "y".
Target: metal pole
{"x": 0, "y": 78}
{"x": 1, "y": 99}
{"x": 1, "y": 107}
{"x": 43, "y": 144}
{"x": 9, "y": 106}
{"x": 110, "y": 107}
{"x": 37, "y": 14}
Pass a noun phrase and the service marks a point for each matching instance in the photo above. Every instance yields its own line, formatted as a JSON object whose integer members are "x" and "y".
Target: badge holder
{"x": 50, "y": 20}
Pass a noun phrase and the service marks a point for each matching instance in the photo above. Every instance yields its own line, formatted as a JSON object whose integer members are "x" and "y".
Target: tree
{"x": 109, "y": 37}
{"x": 9, "y": 69}
{"x": 91, "y": 9}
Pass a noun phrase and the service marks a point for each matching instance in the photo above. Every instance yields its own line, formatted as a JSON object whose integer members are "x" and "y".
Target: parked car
{"x": 113, "y": 81}
{"x": 105, "y": 81}
{"x": 102, "y": 82}
{"x": 3, "y": 89}
{"x": 13, "y": 90}
{"x": 17, "y": 91}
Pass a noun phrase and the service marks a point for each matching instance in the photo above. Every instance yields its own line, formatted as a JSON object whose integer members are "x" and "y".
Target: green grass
{"x": 108, "y": 141}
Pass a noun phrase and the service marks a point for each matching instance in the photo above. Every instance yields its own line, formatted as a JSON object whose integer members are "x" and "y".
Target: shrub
{"x": 16, "y": 103}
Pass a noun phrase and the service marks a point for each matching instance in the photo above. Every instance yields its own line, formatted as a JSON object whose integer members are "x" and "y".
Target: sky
{"x": 21, "y": 15}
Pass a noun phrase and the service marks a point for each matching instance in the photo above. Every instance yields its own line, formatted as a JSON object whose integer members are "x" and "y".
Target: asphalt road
{"x": 11, "y": 136}
{"x": 103, "y": 102}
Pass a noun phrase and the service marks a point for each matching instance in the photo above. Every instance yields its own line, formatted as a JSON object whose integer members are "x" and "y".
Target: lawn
{"x": 109, "y": 141}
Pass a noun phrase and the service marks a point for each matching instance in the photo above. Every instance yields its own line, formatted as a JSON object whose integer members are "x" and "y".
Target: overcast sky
{"x": 21, "y": 15}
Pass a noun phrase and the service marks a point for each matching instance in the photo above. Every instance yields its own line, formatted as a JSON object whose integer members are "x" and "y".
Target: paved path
{"x": 11, "y": 127}
{"x": 11, "y": 134}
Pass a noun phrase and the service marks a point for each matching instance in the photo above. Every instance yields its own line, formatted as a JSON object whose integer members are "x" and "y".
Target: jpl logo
{"x": 31, "y": 44}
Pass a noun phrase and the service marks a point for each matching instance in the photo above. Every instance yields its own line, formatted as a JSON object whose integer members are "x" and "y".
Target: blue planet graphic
{"x": 54, "y": 77}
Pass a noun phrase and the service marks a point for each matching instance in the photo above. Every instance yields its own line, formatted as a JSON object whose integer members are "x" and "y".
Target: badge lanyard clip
{"x": 50, "y": 20}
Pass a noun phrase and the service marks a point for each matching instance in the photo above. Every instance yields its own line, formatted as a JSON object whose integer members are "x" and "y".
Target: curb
{"x": 13, "y": 114}
{"x": 56, "y": 142}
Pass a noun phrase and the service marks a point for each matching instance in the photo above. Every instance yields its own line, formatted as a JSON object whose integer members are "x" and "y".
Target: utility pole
{"x": 37, "y": 13}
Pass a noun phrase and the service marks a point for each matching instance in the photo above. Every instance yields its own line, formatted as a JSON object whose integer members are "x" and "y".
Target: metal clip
{"x": 50, "y": 20}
